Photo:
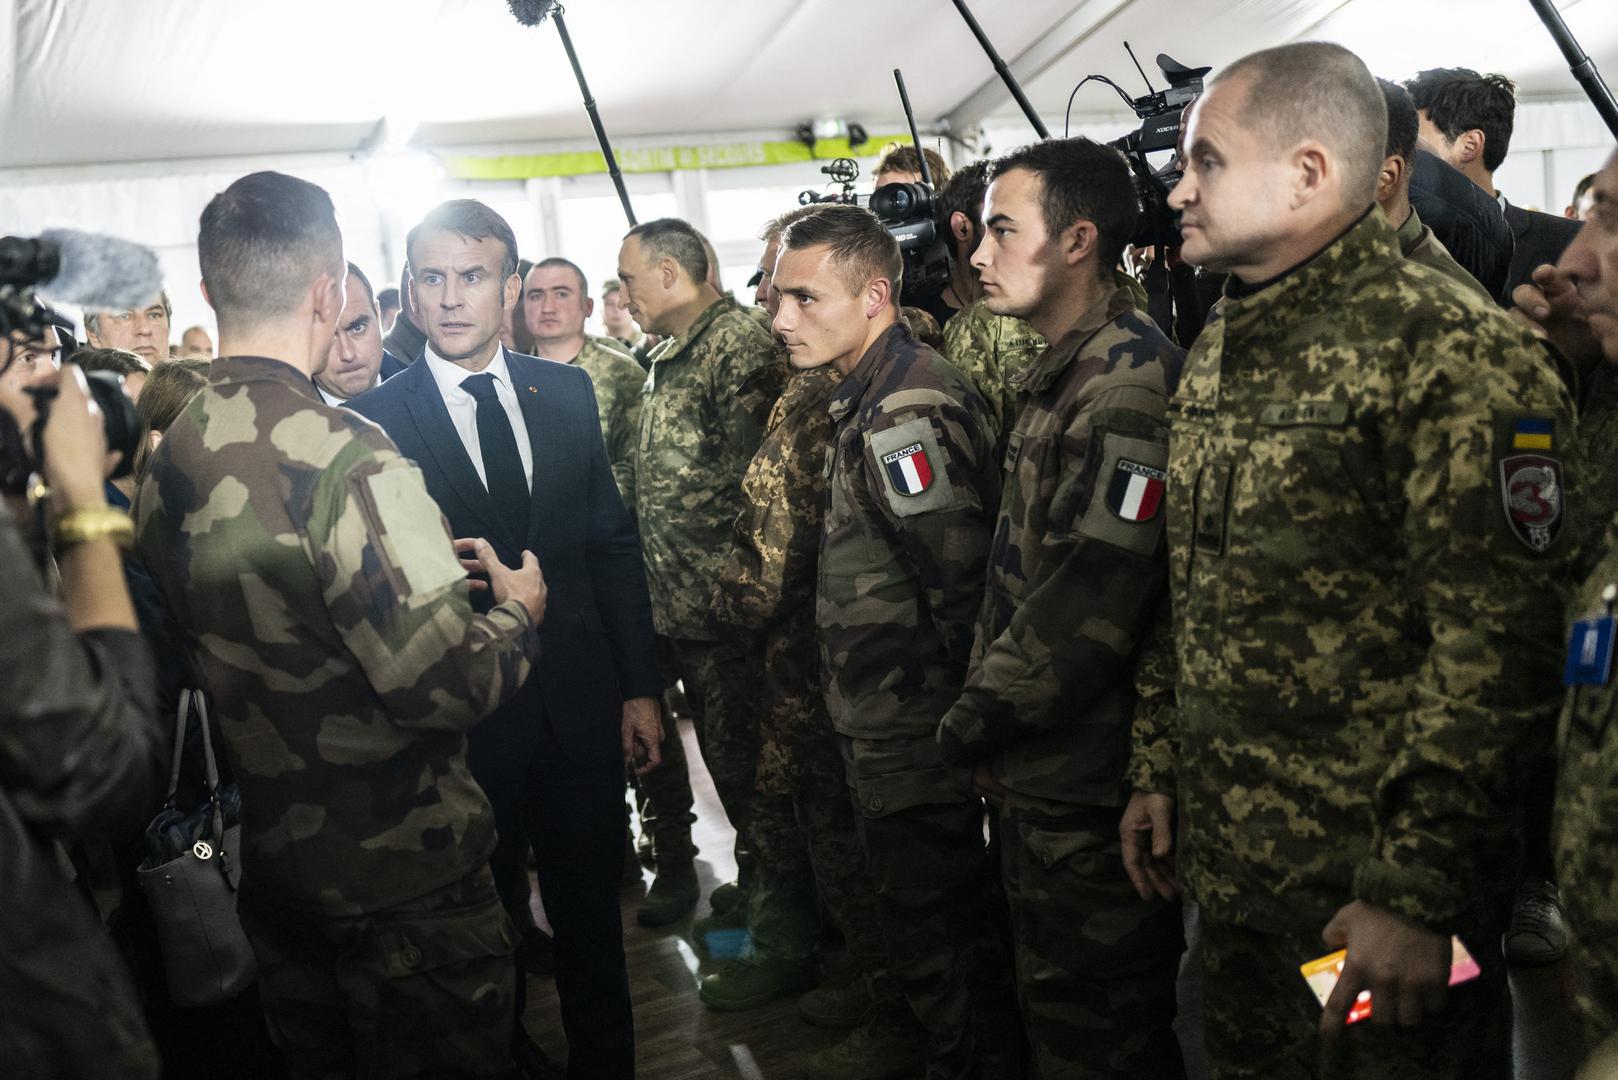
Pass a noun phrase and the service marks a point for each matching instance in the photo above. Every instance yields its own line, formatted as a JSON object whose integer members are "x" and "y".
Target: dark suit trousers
{"x": 573, "y": 815}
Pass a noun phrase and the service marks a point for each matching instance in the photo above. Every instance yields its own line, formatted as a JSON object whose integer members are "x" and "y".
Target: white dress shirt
{"x": 463, "y": 408}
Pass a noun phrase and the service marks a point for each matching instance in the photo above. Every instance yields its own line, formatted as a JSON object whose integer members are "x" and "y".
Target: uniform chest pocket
{"x": 1306, "y": 461}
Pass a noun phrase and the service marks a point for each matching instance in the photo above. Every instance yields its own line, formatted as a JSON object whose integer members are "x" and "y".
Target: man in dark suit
{"x": 1466, "y": 119}
{"x": 357, "y": 362}
{"x": 511, "y": 448}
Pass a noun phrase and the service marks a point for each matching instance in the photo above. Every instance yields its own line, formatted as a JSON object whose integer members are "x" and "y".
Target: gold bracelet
{"x": 97, "y": 523}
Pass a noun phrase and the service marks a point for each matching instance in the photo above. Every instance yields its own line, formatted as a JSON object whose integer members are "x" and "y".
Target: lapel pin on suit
{"x": 533, "y": 389}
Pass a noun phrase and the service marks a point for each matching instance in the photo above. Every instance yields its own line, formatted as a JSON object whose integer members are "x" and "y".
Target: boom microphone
{"x": 81, "y": 268}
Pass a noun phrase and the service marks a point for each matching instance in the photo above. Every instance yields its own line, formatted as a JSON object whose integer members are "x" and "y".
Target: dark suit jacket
{"x": 599, "y": 648}
{"x": 1541, "y": 239}
{"x": 1466, "y": 219}
{"x": 391, "y": 365}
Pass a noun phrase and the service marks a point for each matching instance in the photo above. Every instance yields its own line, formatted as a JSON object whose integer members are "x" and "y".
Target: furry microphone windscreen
{"x": 101, "y": 271}
{"x": 531, "y": 12}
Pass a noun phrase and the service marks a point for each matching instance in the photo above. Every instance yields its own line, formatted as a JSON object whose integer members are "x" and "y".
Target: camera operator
{"x": 79, "y": 749}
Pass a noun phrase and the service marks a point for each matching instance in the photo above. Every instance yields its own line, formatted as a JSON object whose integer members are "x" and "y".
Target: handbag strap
{"x": 211, "y": 768}
{"x": 179, "y": 743}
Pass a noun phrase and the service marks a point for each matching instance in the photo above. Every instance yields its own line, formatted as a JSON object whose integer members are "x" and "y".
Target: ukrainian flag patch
{"x": 1533, "y": 433}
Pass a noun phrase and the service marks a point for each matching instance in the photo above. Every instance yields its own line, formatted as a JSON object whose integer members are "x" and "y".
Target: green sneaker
{"x": 672, "y": 897}
{"x": 754, "y": 982}
{"x": 880, "y": 1048}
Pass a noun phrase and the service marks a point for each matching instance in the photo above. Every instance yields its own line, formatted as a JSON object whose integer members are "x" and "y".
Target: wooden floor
{"x": 678, "y": 1038}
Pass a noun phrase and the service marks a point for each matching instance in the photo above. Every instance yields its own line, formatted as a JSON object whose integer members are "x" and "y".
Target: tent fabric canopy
{"x": 100, "y": 81}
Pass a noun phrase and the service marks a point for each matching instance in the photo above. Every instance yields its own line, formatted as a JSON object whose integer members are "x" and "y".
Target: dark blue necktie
{"x": 502, "y": 464}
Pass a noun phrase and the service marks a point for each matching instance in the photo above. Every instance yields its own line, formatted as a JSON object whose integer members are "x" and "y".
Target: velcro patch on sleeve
{"x": 1126, "y": 503}
{"x": 412, "y": 536}
{"x": 1532, "y": 490}
{"x": 913, "y": 467}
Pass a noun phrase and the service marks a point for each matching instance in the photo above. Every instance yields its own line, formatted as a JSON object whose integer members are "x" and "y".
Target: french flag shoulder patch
{"x": 1135, "y": 492}
{"x": 909, "y": 471}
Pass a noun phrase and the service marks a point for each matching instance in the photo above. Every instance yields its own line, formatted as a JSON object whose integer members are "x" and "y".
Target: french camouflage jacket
{"x": 914, "y": 487}
{"x": 323, "y": 606}
{"x": 1077, "y": 568}
{"x": 1366, "y": 517}
{"x": 991, "y": 351}
{"x": 707, "y": 397}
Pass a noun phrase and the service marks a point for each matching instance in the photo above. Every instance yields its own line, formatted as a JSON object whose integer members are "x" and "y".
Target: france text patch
{"x": 1135, "y": 492}
{"x": 1531, "y": 489}
{"x": 909, "y": 471}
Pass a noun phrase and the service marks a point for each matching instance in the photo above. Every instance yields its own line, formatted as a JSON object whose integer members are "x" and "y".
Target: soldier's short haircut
{"x": 557, "y": 260}
{"x": 1458, "y": 100}
{"x": 861, "y": 248}
{"x": 781, "y": 222}
{"x": 1403, "y": 124}
{"x": 903, "y": 159}
{"x": 353, "y": 268}
{"x": 1317, "y": 90}
{"x": 470, "y": 220}
{"x": 963, "y": 194}
{"x": 92, "y": 319}
{"x": 262, "y": 242}
{"x": 1081, "y": 179}
{"x": 671, "y": 238}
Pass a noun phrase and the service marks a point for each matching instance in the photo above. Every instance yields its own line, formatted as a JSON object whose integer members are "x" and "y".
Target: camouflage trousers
{"x": 942, "y": 910}
{"x": 1096, "y": 965}
{"x": 663, "y": 797}
{"x": 809, "y": 850}
{"x": 722, "y": 684}
{"x": 1262, "y": 1020}
{"x": 423, "y": 990}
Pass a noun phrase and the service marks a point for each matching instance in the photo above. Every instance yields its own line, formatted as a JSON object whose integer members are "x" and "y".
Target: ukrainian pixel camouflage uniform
{"x": 991, "y": 351}
{"x": 619, "y": 382}
{"x": 1418, "y": 244}
{"x": 322, "y": 604}
{"x": 1076, "y": 575}
{"x": 900, "y": 582}
{"x": 1586, "y": 830}
{"x": 707, "y": 397}
{"x": 767, "y": 590}
{"x": 1598, "y": 444}
{"x": 1365, "y": 501}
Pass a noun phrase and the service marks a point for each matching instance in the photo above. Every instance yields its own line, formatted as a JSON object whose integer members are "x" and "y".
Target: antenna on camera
{"x": 915, "y": 136}
{"x": 1150, "y": 89}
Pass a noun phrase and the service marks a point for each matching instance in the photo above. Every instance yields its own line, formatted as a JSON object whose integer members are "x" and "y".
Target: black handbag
{"x": 190, "y": 875}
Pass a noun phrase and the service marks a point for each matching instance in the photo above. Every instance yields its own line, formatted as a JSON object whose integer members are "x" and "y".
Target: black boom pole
{"x": 1000, "y": 69}
{"x": 595, "y": 117}
{"x": 1584, "y": 69}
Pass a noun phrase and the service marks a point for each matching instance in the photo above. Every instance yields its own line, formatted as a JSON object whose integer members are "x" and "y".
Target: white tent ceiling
{"x": 114, "y": 81}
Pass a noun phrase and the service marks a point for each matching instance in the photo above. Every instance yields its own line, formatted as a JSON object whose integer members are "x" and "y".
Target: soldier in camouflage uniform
{"x": 1365, "y": 563}
{"x": 323, "y": 605}
{"x": 989, "y": 349}
{"x": 902, "y": 557}
{"x": 558, "y": 303}
{"x": 1076, "y": 574}
{"x": 1584, "y": 316}
{"x": 710, "y": 390}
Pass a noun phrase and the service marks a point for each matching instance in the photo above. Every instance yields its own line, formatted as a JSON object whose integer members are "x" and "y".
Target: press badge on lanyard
{"x": 1589, "y": 647}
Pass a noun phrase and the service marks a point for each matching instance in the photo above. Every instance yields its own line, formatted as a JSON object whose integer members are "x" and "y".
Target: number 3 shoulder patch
{"x": 1532, "y": 492}
{"x": 1126, "y": 504}
{"x": 913, "y": 467}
